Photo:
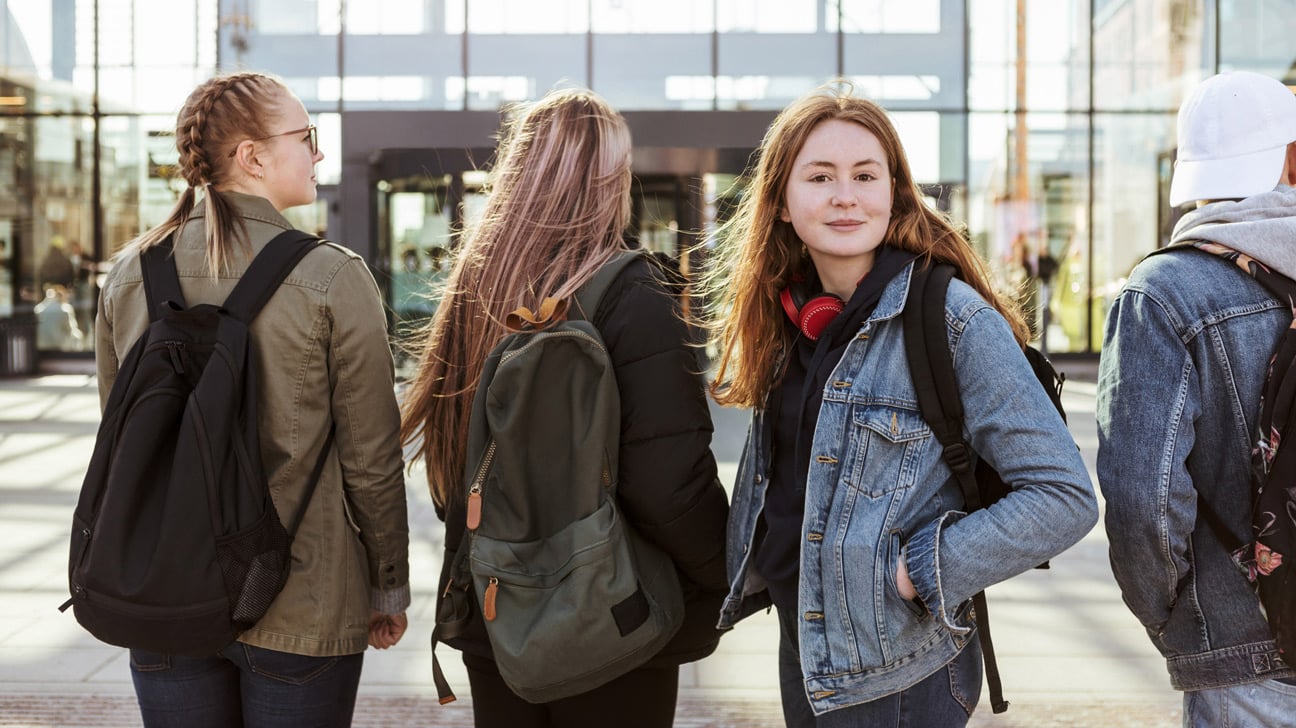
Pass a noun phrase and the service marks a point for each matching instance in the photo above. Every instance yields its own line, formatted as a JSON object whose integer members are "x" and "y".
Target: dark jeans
{"x": 944, "y": 699}
{"x": 247, "y": 687}
{"x": 642, "y": 698}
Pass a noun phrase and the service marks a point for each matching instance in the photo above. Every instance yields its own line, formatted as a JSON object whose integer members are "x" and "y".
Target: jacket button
{"x": 391, "y": 581}
{"x": 390, "y": 568}
{"x": 814, "y": 536}
{"x": 759, "y": 478}
{"x": 813, "y": 616}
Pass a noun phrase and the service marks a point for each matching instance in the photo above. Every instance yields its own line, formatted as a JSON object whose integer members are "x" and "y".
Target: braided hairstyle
{"x": 219, "y": 113}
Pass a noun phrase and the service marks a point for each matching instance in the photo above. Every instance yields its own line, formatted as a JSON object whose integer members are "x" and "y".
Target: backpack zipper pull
{"x": 174, "y": 354}
{"x": 474, "y": 508}
{"x": 488, "y": 608}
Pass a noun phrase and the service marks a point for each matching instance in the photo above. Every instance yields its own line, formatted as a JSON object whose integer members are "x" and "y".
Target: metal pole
{"x": 97, "y": 145}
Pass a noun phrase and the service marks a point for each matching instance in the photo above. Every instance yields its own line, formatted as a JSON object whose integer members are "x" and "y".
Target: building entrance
{"x": 425, "y": 198}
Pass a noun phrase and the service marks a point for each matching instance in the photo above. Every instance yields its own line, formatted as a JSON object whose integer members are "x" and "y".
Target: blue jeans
{"x": 944, "y": 699}
{"x": 245, "y": 686}
{"x": 1253, "y": 705}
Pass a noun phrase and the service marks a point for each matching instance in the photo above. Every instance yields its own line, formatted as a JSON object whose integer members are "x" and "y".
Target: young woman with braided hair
{"x": 248, "y": 151}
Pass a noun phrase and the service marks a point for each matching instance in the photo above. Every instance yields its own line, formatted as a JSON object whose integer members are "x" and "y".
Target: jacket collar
{"x": 893, "y": 297}
{"x": 247, "y": 206}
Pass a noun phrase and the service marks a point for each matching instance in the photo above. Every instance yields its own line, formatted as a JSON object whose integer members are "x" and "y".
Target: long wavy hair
{"x": 558, "y": 202}
{"x": 219, "y": 113}
{"x": 758, "y": 253}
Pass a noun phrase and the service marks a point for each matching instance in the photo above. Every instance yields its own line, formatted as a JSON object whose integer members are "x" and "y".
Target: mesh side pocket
{"x": 255, "y": 565}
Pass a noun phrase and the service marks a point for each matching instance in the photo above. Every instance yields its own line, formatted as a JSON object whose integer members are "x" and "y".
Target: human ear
{"x": 1289, "y": 166}
{"x": 245, "y": 157}
{"x": 784, "y": 215}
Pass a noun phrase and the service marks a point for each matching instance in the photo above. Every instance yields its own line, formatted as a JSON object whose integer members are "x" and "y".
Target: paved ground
{"x": 1071, "y": 655}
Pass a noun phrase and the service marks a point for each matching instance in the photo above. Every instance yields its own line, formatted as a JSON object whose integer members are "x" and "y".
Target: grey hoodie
{"x": 1263, "y": 226}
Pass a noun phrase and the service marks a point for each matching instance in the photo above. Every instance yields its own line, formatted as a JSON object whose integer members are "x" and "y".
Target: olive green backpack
{"x": 570, "y": 595}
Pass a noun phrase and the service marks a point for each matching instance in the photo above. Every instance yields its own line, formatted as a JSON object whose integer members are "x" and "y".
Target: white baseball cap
{"x": 1234, "y": 129}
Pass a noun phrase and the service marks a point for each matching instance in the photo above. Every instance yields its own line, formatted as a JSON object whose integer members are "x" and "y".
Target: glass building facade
{"x": 1047, "y": 126}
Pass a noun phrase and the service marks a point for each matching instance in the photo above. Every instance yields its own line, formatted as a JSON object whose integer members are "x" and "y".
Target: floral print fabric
{"x": 1273, "y": 470}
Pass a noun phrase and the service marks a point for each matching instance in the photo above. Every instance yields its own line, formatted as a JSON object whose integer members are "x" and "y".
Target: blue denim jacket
{"x": 1184, "y": 357}
{"x": 878, "y": 489}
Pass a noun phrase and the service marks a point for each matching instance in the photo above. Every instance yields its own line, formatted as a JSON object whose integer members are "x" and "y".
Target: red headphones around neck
{"x": 813, "y": 316}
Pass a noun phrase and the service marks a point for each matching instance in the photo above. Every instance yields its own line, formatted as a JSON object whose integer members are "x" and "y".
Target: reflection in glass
{"x": 1145, "y": 63}
{"x": 1029, "y": 218}
{"x": 1126, "y": 152}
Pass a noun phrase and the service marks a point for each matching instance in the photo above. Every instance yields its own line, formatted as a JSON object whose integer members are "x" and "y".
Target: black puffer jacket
{"x": 668, "y": 488}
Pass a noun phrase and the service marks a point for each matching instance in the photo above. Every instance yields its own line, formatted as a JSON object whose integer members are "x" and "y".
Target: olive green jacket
{"x": 323, "y": 361}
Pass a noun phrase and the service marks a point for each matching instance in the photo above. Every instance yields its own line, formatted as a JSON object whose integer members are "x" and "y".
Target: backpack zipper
{"x": 578, "y": 334}
{"x": 474, "y": 493}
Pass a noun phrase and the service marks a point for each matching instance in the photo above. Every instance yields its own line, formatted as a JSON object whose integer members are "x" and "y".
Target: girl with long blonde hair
{"x": 558, "y": 203}
{"x": 844, "y": 514}
{"x": 247, "y": 152}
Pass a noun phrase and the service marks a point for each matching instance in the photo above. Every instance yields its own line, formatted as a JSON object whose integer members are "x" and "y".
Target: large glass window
{"x": 1255, "y": 35}
{"x": 649, "y": 54}
{"x": 1028, "y": 215}
{"x": 651, "y": 16}
{"x": 528, "y": 17}
{"x": 880, "y": 16}
{"x": 1146, "y": 55}
{"x": 1129, "y": 174}
{"x": 1001, "y": 131}
{"x": 771, "y": 51}
{"x": 1055, "y": 64}
{"x": 519, "y": 49}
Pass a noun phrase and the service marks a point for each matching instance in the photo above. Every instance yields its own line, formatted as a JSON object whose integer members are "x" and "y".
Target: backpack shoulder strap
{"x": 932, "y": 369}
{"x": 591, "y": 293}
{"x": 161, "y": 282}
{"x": 268, "y": 269}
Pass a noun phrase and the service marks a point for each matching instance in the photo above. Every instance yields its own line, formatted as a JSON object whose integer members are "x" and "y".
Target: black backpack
{"x": 932, "y": 368}
{"x": 176, "y": 544}
{"x": 570, "y": 595}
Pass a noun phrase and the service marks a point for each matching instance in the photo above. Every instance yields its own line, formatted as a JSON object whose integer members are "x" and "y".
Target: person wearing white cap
{"x": 1184, "y": 365}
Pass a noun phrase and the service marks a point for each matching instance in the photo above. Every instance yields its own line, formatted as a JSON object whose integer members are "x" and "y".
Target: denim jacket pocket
{"x": 894, "y": 550}
{"x": 888, "y": 439}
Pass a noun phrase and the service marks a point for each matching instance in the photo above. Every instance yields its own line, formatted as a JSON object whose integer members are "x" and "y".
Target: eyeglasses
{"x": 310, "y": 138}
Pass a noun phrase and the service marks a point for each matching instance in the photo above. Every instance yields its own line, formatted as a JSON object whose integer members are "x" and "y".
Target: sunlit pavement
{"x": 1070, "y": 653}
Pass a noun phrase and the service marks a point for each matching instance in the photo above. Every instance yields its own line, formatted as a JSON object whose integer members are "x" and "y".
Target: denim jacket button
{"x": 814, "y": 537}
{"x": 813, "y": 616}
{"x": 759, "y": 478}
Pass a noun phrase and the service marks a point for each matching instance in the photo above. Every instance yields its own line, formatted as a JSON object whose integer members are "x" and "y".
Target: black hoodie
{"x": 800, "y": 391}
